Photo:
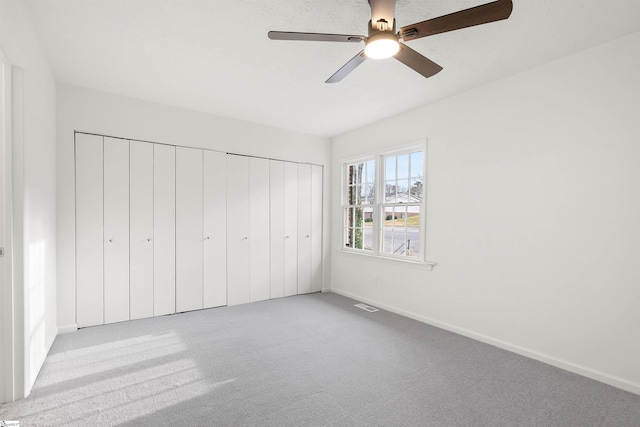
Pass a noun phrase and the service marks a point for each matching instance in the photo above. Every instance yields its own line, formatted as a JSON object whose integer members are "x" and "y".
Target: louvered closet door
{"x": 316, "y": 228}
{"x": 141, "y": 234}
{"x": 89, "y": 230}
{"x": 215, "y": 230}
{"x": 290, "y": 229}
{"x": 164, "y": 229}
{"x": 277, "y": 223}
{"x": 304, "y": 229}
{"x": 116, "y": 230}
{"x": 188, "y": 229}
{"x": 238, "y": 276}
{"x": 259, "y": 246}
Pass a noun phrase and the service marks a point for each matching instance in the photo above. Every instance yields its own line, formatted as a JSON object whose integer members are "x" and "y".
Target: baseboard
{"x": 67, "y": 329}
{"x": 553, "y": 361}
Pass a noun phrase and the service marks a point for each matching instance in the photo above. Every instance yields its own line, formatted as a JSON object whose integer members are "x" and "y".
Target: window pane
{"x": 403, "y": 166}
{"x": 402, "y": 191}
{"x": 351, "y": 195}
{"x": 390, "y": 168}
{"x": 413, "y": 230}
{"x": 417, "y": 160}
{"x": 371, "y": 194}
{"x": 371, "y": 172}
{"x": 416, "y": 190}
{"x": 357, "y": 238}
{"x": 367, "y": 236}
{"x": 387, "y": 241}
{"x": 400, "y": 214}
{"x": 352, "y": 174}
{"x": 358, "y": 217}
{"x": 390, "y": 192}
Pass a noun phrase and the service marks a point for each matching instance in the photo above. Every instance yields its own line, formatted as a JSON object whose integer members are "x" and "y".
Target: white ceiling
{"x": 214, "y": 55}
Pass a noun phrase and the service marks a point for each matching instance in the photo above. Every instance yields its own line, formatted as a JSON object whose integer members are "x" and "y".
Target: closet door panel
{"x": 141, "y": 235}
{"x": 304, "y": 229}
{"x": 238, "y": 276}
{"x": 116, "y": 230}
{"x": 164, "y": 229}
{"x": 188, "y": 229}
{"x": 277, "y": 224}
{"x": 215, "y": 229}
{"x": 259, "y": 246}
{"x": 316, "y": 228}
{"x": 89, "y": 230}
{"x": 291, "y": 229}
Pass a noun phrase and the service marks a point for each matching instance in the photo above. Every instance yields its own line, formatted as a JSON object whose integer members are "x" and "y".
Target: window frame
{"x": 379, "y": 204}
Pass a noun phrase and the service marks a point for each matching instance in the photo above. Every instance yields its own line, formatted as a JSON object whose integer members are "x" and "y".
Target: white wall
{"x": 533, "y": 193}
{"x": 34, "y": 176}
{"x": 90, "y": 111}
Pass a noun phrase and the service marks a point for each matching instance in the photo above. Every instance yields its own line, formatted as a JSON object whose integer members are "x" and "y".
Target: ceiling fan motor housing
{"x": 382, "y": 26}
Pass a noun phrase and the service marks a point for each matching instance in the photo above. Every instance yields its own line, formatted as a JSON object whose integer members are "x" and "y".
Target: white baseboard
{"x": 67, "y": 329}
{"x": 603, "y": 377}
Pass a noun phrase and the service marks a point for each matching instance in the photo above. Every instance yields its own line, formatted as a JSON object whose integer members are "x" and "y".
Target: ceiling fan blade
{"x": 347, "y": 68}
{"x": 382, "y": 9}
{"x": 416, "y": 61}
{"x": 483, "y": 14}
{"x": 315, "y": 37}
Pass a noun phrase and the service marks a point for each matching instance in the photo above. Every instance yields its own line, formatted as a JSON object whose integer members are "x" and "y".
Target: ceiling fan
{"x": 383, "y": 41}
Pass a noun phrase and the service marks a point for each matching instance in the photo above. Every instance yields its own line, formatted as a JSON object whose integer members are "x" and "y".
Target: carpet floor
{"x": 310, "y": 360}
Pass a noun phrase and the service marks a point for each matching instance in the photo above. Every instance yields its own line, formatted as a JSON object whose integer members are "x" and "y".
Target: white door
{"x": 141, "y": 234}
{"x": 304, "y": 229}
{"x": 316, "y": 228}
{"x": 116, "y": 230}
{"x": 238, "y": 276}
{"x": 259, "y": 246}
{"x": 188, "y": 229}
{"x": 89, "y": 230}
{"x": 290, "y": 229}
{"x": 277, "y": 223}
{"x": 164, "y": 229}
{"x": 215, "y": 229}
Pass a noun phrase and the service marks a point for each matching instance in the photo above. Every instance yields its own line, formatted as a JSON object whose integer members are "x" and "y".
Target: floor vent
{"x": 366, "y": 307}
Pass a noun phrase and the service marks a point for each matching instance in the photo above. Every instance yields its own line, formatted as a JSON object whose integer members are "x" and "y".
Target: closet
{"x": 162, "y": 229}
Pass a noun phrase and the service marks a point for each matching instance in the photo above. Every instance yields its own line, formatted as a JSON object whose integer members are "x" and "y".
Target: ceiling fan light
{"x": 381, "y": 45}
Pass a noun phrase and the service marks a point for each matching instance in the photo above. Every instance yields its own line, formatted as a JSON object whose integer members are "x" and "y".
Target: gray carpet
{"x": 305, "y": 360}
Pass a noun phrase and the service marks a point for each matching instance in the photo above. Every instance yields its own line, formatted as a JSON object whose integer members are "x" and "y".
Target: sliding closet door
{"x": 188, "y": 229}
{"x": 238, "y": 276}
{"x": 215, "y": 230}
{"x": 290, "y": 229}
{"x": 141, "y": 234}
{"x": 304, "y": 229}
{"x": 316, "y": 228}
{"x": 164, "y": 229}
{"x": 277, "y": 224}
{"x": 89, "y": 230}
{"x": 259, "y": 228}
{"x": 116, "y": 230}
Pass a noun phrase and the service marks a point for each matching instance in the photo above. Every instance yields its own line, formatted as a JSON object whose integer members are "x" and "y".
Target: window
{"x": 360, "y": 198}
{"x": 384, "y": 205}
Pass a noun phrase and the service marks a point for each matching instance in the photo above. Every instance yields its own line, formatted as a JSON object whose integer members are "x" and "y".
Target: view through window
{"x": 384, "y": 205}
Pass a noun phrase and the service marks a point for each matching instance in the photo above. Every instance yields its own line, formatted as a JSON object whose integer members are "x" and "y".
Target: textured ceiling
{"x": 214, "y": 55}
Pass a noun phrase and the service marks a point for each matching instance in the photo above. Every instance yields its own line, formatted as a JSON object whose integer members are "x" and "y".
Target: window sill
{"x": 422, "y": 265}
